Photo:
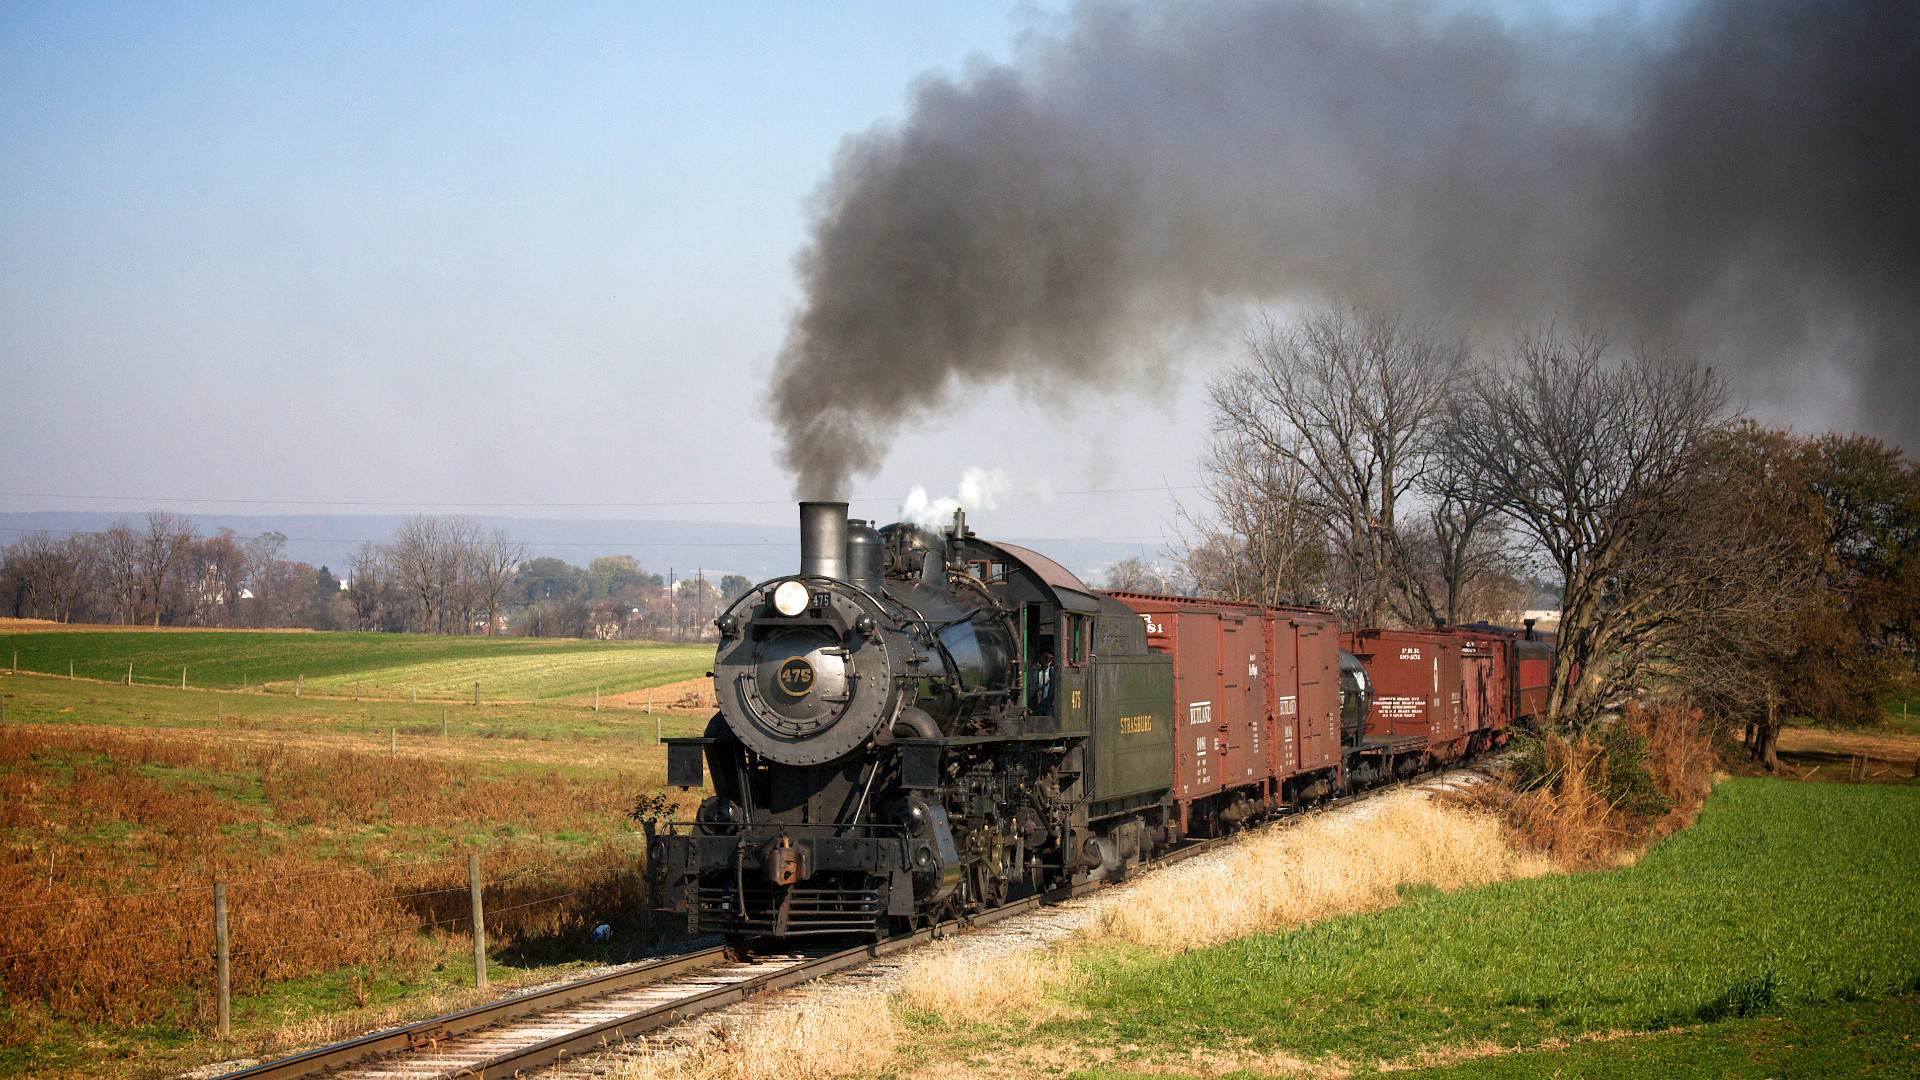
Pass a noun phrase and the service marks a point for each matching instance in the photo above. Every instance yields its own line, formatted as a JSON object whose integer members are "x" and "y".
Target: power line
{"x": 549, "y": 505}
{"x": 775, "y": 543}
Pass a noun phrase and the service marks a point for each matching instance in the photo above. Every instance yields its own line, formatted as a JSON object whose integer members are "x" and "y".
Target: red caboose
{"x": 1256, "y": 704}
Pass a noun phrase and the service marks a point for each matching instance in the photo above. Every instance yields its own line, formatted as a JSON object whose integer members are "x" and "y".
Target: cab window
{"x": 1078, "y": 627}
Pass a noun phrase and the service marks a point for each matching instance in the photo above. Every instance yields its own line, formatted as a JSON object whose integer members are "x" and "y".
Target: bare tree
{"x": 1351, "y": 399}
{"x": 119, "y": 549}
{"x": 421, "y": 559}
{"x": 51, "y": 574}
{"x": 1263, "y": 540}
{"x": 163, "y": 545}
{"x": 375, "y": 601}
{"x": 1134, "y": 574}
{"x": 1594, "y": 461}
{"x": 495, "y": 561}
{"x": 263, "y": 553}
{"x": 1455, "y": 562}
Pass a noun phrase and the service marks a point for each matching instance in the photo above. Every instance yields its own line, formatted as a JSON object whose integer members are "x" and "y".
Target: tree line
{"x": 439, "y": 575}
{"x": 1378, "y": 464}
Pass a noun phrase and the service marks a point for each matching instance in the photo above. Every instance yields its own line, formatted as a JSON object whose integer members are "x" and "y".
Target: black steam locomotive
{"x": 891, "y": 745}
{"x": 922, "y": 723}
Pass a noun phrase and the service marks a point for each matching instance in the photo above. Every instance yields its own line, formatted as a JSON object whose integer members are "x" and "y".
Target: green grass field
{"x": 392, "y": 665}
{"x": 1902, "y": 711}
{"x": 569, "y": 737}
{"x": 1785, "y": 900}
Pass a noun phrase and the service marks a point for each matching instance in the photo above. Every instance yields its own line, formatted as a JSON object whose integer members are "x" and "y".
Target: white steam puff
{"x": 980, "y": 489}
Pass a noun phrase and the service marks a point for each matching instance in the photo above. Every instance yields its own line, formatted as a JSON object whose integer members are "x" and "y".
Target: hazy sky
{"x": 495, "y": 258}
{"x": 425, "y": 254}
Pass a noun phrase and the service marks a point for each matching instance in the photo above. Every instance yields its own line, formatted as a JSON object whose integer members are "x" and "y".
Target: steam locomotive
{"x": 922, "y": 723}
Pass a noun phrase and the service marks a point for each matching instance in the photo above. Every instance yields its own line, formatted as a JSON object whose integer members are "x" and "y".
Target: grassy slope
{"x": 1784, "y": 896}
{"x": 385, "y": 663}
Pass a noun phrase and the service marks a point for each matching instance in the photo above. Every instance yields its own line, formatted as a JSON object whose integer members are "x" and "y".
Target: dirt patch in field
{"x": 683, "y": 696}
{"x": 1821, "y": 754}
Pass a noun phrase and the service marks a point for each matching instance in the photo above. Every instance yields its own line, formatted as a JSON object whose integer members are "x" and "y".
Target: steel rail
{"x": 428, "y": 1034}
{"x": 440, "y": 1028}
{"x": 599, "y": 1036}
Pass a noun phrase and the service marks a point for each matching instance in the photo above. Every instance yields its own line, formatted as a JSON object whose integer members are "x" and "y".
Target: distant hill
{"x": 685, "y": 547}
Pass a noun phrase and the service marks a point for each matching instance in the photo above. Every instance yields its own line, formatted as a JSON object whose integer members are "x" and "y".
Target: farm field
{"x": 342, "y": 828}
{"x": 372, "y": 665}
{"x": 1788, "y": 917}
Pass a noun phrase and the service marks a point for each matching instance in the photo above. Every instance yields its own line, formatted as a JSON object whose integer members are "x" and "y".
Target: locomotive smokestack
{"x": 823, "y": 539}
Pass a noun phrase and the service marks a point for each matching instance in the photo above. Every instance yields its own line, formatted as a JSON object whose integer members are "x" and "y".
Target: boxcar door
{"x": 1242, "y": 714}
{"x": 1196, "y": 703}
{"x": 1319, "y": 659}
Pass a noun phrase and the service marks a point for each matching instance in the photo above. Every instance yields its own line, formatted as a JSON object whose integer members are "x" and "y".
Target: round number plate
{"x": 795, "y": 677}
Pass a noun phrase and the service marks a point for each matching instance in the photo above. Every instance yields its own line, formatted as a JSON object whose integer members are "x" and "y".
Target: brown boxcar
{"x": 1417, "y": 687}
{"x": 1256, "y": 702}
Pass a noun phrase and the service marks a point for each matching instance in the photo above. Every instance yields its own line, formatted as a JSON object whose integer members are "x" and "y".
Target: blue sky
{"x": 438, "y": 253}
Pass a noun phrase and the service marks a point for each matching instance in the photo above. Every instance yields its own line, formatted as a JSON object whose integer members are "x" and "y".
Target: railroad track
{"x": 546, "y": 1027}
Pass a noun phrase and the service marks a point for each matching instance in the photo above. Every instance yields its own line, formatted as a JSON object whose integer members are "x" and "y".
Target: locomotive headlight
{"x": 790, "y": 598}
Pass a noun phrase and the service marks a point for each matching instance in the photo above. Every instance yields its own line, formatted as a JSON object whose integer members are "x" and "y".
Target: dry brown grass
{"x": 961, "y": 987}
{"x": 687, "y": 694}
{"x": 112, "y": 841}
{"x": 1570, "y": 818}
{"x": 1317, "y": 869}
{"x": 850, "y": 1036}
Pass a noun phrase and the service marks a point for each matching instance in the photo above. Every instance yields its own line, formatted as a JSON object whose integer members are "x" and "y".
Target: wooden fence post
{"x": 443, "y": 720}
{"x": 183, "y": 676}
{"x": 479, "y": 924}
{"x": 128, "y": 681}
{"x": 298, "y": 680}
{"x": 596, "y": 697}
{"x": 220, "y": 954}
{"x": 656, "y": 731}
{"x": 69, "y": 668}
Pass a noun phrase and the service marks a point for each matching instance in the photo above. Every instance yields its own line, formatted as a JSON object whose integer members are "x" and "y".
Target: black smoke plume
{"x": 1742, "y": 175}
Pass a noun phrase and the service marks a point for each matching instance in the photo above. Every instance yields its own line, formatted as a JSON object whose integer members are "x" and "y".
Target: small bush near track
{"x": 1590, "y": 799}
